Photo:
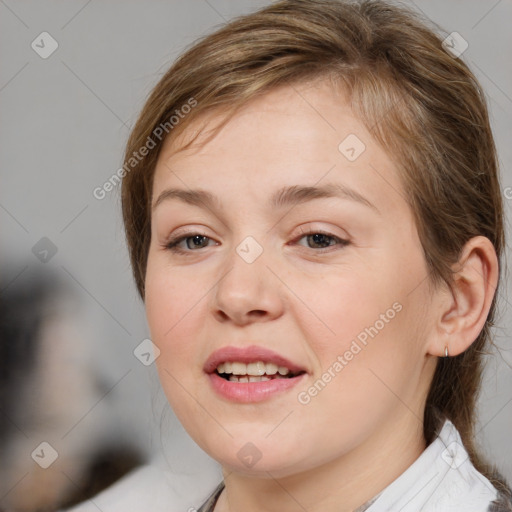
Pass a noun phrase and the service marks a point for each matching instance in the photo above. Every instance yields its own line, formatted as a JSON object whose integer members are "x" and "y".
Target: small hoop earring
{"x": 446, "y": 351}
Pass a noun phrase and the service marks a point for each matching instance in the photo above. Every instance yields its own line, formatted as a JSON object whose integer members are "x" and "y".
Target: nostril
{"x": 222, "y": 315}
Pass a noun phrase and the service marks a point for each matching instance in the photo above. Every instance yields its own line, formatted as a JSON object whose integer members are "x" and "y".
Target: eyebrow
{"x": 286, "y": 196}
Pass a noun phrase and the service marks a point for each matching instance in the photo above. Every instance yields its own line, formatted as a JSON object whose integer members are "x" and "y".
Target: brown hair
{"x": 423, "y": 105}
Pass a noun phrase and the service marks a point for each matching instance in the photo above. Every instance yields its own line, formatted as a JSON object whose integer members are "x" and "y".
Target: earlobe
{"x": 465, "y": 306}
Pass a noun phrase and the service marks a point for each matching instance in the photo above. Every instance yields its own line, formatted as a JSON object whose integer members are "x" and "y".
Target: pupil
{"x": 319, "y": 238}
{"x": 196, "y": 240}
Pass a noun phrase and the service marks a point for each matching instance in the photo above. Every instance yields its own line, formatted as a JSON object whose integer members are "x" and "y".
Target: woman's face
{"x": 297, "y": 272}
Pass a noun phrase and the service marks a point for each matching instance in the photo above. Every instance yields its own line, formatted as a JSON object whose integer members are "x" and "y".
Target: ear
{"x": 463, "y": 309}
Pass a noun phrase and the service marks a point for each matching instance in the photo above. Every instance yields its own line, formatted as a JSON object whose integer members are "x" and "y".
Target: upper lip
{"x": 250, "y": 354}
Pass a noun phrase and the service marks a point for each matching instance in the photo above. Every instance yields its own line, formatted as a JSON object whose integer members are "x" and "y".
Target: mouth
{"x": 251, "y": 374}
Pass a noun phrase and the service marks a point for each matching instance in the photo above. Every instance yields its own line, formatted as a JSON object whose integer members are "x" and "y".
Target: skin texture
{"x": 305, "y": 302}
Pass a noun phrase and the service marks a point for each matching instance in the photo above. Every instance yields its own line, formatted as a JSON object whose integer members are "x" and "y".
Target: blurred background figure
{"x": 48, "y": 382}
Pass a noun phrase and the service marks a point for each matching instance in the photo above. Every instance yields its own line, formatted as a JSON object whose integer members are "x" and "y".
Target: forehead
{"x": 305, "y": 134}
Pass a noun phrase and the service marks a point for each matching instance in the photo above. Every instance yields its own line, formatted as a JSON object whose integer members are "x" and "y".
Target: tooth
{"x": 261, "y": 368}
{"x": 233, "y": 378}
{"x": 264, "y": 377}
{"x": 220, "y": 368}
{"x": 256, "y": 368}
{"x": 227, "y": 368}
{"x": 243, "y": 379}
{"x": 283, "y": 370}
{"x": 239, "y": 368}
{"x": 271, "y": 369}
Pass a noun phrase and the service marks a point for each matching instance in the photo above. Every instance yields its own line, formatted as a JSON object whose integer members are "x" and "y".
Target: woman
{"x": 313, "y": 213}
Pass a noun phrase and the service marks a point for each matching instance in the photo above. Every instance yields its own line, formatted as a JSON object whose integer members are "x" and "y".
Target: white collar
{"x": 442, "y": 479}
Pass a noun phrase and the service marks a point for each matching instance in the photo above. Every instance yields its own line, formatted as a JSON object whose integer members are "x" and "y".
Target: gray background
{"x": 65, "y": 120}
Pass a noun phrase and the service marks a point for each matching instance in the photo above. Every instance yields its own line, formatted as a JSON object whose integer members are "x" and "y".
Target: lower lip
{"x": 249, "y": 392}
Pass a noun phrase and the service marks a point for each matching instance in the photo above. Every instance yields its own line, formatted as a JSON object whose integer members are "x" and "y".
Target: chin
{"x": 256, "y": 453}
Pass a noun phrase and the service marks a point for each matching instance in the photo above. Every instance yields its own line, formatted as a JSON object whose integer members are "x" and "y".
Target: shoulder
{"x": 135, "y": 491}
{"x": 153, "y": 487}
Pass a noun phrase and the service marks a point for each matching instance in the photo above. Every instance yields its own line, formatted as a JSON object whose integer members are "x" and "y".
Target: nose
{"x": 247, "y": 292}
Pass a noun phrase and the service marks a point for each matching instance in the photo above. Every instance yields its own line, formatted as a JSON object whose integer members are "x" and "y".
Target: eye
{"x": 322, "y": 240}
{"x": 193, "y": 241}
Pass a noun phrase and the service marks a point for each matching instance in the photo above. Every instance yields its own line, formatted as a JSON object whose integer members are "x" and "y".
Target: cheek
{"x": 373, "y": 320}
{"x": 171, "y": 305}
{"x": 376, "y": 348}
{"x": 172, "y": 309}
{"x": 344, "y": 306}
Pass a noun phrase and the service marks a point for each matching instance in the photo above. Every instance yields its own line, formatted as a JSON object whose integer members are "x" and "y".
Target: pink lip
{"x": 245, "y": 392}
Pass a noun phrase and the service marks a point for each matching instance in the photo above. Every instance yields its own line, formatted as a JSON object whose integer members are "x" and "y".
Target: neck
{"x": 341, "y": 485}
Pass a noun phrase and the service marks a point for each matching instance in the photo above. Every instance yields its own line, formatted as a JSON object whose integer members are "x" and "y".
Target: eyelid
{"x": 186, "y": 231}
{"x": 313, "y": 227}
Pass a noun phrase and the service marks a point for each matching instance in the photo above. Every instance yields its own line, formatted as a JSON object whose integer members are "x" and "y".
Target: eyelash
{"x": 172, "y": 244}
